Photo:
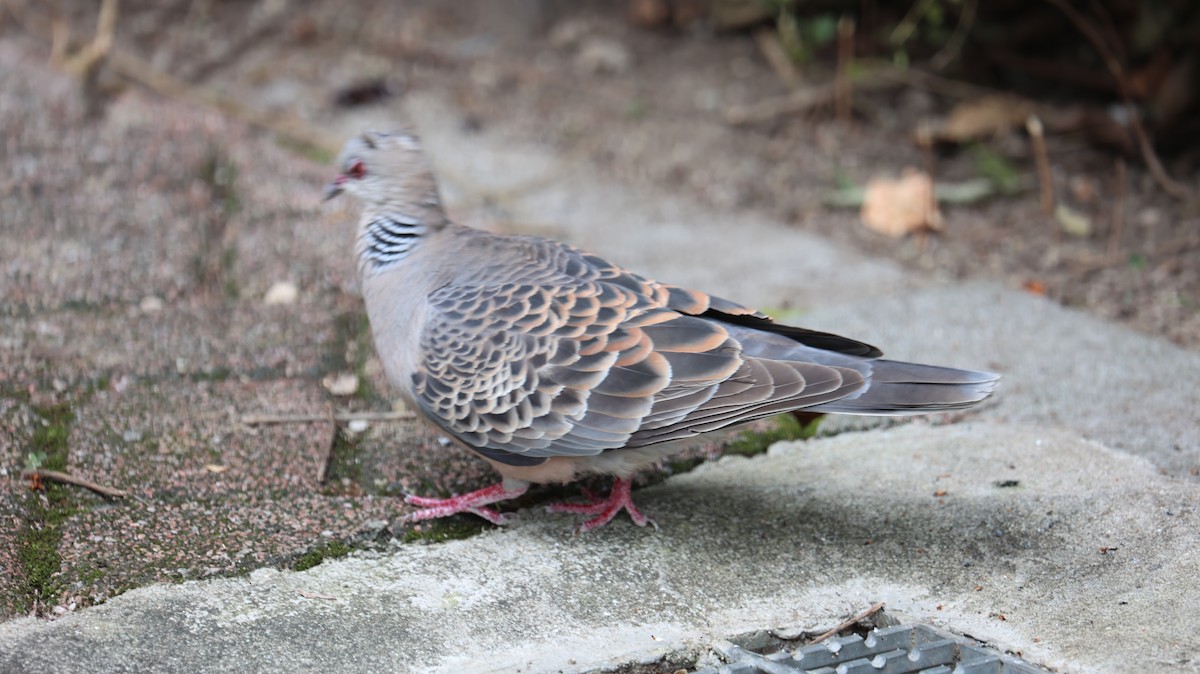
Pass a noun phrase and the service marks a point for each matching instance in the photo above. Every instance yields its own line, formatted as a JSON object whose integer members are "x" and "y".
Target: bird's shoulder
{"x": 502, "y": 262}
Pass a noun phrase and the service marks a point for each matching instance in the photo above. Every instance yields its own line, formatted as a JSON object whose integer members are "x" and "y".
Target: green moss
{"x": 229, "y": 273}
{"x": 37, "y": 548}
{"x": 215, "y": 374}
{"x": 21, "y": 395}
{"x": 352, "y": 347}
{"x": 37, "y": 543}
{"x": 786, "y": 427}
{"x": 51, "y": 437}
{"x": 446, "y": 529}
{"x": 214, "y": 261}
{"x": 683, "y": 464}
{"x": 90, "y": 575}
{"x": 220, "y": 174}
{"x": 345, "y": 462}
{"x": 81, "y": 305}
{"x": 100, "y": 383}
{"x": 330, "y": 550}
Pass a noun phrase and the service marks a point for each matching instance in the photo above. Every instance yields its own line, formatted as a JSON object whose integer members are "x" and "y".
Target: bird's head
{"x": 385, "y": 170}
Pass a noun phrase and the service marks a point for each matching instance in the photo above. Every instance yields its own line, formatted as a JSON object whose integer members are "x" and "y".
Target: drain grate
{"x": 892, "y": 650}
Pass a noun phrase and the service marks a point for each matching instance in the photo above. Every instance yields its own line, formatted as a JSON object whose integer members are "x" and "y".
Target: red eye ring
{"x": 357, "y": 170}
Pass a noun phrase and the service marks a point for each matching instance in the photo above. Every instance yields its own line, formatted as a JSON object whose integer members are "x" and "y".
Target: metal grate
{"x": 892, "y": 650}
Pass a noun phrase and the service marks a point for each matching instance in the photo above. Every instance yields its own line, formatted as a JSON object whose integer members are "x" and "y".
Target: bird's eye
{"x": 357, "y": 169}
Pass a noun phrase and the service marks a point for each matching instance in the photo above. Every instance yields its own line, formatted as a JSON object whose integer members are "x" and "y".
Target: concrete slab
{"x": 1079, "y": 565}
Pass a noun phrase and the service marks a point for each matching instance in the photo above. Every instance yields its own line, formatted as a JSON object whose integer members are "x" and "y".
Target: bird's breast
{"x": 398, "y": 312}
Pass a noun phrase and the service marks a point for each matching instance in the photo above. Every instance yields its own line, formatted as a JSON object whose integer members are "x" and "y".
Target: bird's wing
{"x": 572, "y": 356}
{"x": 697, "y": 303}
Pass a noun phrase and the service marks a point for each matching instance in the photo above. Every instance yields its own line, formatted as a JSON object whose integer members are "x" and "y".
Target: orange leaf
{"x": 899, "y": 207}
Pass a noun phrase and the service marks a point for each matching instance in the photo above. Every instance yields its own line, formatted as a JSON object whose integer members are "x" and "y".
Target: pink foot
{"x": 606, "y": 509}
{"x": 473, "y": 502}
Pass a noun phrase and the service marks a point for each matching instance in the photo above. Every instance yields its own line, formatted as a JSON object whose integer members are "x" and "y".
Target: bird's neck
{"x": 388, "y": 236}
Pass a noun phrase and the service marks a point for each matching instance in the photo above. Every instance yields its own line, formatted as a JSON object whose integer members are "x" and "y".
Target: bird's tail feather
{"x": 898, "y": 388}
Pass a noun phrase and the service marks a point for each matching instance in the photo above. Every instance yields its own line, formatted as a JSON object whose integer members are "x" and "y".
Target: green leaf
{"x": 34, "y": 460}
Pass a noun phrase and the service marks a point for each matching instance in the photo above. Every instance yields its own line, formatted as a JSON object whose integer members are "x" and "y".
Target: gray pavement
{"x": 1059, "y": 522}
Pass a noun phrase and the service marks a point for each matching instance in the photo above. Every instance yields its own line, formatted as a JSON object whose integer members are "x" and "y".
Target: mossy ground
{"x": 448, "y": 529}
{"x": 330, "y": 550}
{"x": 785, "y": 427}
{"x": 46, "y": 509}
{"x": 352, "y": 346}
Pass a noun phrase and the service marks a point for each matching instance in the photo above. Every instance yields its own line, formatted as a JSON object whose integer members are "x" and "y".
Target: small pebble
{"x": 151, "y": 304}
{"x": 343, "y": 384}
{"x": 283, "y": 292}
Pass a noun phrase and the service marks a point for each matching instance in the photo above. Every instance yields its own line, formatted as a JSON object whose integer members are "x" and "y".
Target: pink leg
{"x": 606, "y": 509}
{"x": 473, "y": 502}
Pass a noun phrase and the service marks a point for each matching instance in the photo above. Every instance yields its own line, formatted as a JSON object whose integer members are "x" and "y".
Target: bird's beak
{"x": 334, "y": 188}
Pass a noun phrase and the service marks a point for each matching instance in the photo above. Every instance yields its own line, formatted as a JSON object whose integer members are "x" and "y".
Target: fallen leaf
{"x": 215, "y": 468}
{"x": 899, "y": 207}
{"x": 984, "y": 117}
{"x": 1073, "y": 222}
{"x": 1035, "y": 287}
{"x": 343, "y": 384}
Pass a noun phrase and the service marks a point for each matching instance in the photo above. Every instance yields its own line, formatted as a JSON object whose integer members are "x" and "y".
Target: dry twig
{"x": 799, "y": 101}
{"x": 66, "y": 478}
{"x": 947, "y": 54}
{"x": 849, "y": 622}
{"x": 87, "y": 62}
{"x": 1118, "y": 219}
{"x": 1045, "y": 180}
{"x": 287, "y": 126}
{"x": 137, "y": 70}
{"x": 777, "y": 57}
{"x": 1179, "y": 245}
{"x": 1169, "y": 184}
{"x": 879, "y": 76}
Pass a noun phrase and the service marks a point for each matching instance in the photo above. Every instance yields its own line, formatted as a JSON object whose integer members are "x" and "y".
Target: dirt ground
{"x": 650, "y": 107}
{"x": 130, "y": 344}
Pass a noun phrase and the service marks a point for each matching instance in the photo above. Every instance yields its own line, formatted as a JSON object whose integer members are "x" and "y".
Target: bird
{"x": 552, "y": 364}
